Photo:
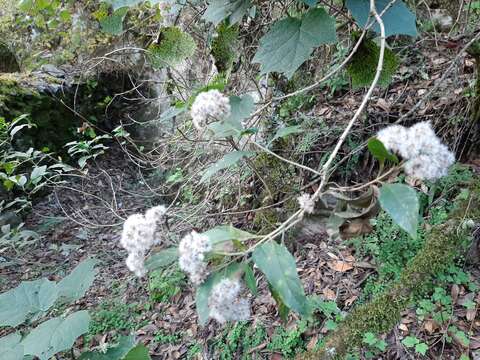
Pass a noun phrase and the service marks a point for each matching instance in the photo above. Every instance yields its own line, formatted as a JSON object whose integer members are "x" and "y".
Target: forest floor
{"x": 83, "y": 218}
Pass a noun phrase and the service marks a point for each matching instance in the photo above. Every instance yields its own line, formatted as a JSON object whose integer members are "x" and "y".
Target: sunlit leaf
{"x": 401, "y": 203}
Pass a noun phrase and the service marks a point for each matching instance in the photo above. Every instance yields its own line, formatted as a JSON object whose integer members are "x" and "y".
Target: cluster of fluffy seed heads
{"x": 426, "y": 157}
{"x": 192, "y": 249}
{"x": 225, "y": 303}
{"x": 139, "y": 235}
{"x": 210, "y": 105}
{"x": 306, "y": 203}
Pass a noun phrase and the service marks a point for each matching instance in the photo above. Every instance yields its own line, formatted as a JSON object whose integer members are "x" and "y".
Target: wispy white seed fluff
{"x": 192, "y": 249}
{"x": 306, "y": 203}
{"x": 209, "y": 106}
{"x": 139, "y": 235}
{"x": 225, "y": 303}
{"x": 426, "y": 157}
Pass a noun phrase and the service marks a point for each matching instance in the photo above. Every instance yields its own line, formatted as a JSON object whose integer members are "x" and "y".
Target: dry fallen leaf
{"x": 430, "y": 326}
{"x": 329, "y": 294}
{"x": 340, "y": 266}
{"x": 403, "y": 327}
{"x": 350, "y": 300}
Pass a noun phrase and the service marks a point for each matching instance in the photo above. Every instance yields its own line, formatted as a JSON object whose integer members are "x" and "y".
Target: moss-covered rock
{"x": 225, "y": 47}
{"x": 443, "y": 243}
{"x": 8, "y": 61}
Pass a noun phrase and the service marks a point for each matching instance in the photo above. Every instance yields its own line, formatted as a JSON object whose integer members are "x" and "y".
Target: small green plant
{"x": 411, "y": 342}
{"x": 164, "y": 284}
{"x": 375, "y": 345}
{"x": 289, "y": 342}
{"x": 163, "y": 338}
{"x": 116, "y": 317}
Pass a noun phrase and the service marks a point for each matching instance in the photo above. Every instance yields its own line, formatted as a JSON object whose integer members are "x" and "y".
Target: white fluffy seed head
{"x": 225, "y": 303}
{"x": 140, "y": 233}
{"x": 426, "y": 157}
{"x": 209, "y": 106}
{"x": 136, "y": 263}
{"x": 306, "y": 203}
{"x": 192, "y": 249}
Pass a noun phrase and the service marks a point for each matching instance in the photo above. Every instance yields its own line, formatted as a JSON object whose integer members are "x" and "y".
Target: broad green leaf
{"x": 226, "y": 161}
{"x": 173, "y": 47}
{"x": 113, "y": 24}
{"x": 380, "y": 152}
{"x": 283, "y": 310}
{"x": 117, "y": 4}
{"x": 10, "y": 347}
{"x": 241, "y": 108}
{"x": 219, "y": 10}
{"x": 250, "y": 279}
{"x": 226, "y": 233}
{"x": 55, "y": 335}
{"x": 117, "y": 352}
{"x": 363, "y": 65}
{"x": 283, "y": 132}
{"x": 291, "y": 41}
{"x": 204, "y": 290}
{"x": 279, "y": 266}
{"x": 139, "y": 352}
{"x": 401, "y": 203}
{"x": 74, "y": 286}
{"x": 398, "y": 19}
{"x": 161, "y": 259}
{"x": 29, "y": 298}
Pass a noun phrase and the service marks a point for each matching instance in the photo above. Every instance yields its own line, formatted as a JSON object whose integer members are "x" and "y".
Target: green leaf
{"x": 421, "y": 348}
{"x": 55, "y": 335}
{"x": 380, "y": 152}
{"x": 283, "y": 132}
{"x": 291, "y": 41}
{"x": 398, "y": 19}
{"x": 410, "y": 341}
{"x": 204, "y": 290}
{"x": 219, "y": 10}
{"x": 75, "y": 285}
{"x": 29, "y": 298}
{"x": 369, "y": 338}
{"x": 223, "y": 233}
{"x": 250, "y": 279}
{"x": 117, "y": 4}
{"x": 117, "y": 352}
{"x": 240, "y": 109}
{"x": 113, "y": 24}
{"x": 173, "y": 47}
{"x": 37, "y": 173}
{"x": 161, "y": 259}
{"x": 279, "y": 266}
{"x": 10, "y": 347}
{"x": 139, "y": 352}
{"x": 363, "y": 65}
{"x": 226, "y": 161}
{"x": 330, "y": 324}
{"x": 401, "y": 203}
{"x": 283, "y": 310}
{"x": 310, "y": 3}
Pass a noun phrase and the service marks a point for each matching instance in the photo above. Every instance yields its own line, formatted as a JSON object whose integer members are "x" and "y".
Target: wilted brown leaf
{"x": 340, "y": 266}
